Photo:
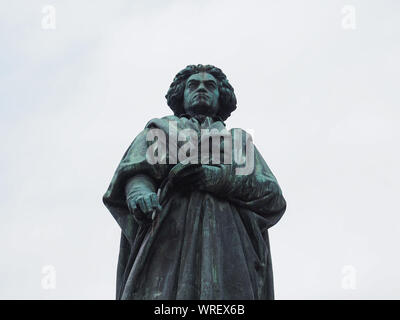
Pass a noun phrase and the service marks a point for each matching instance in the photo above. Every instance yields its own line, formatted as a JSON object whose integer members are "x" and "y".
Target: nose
{"x": 201, "y": 88}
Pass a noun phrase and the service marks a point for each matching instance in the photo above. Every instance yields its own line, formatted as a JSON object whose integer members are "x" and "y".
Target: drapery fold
{"x": 203, "y": 244}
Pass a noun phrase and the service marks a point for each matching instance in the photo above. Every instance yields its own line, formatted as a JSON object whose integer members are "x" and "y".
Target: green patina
{"x": 205, "y": 235}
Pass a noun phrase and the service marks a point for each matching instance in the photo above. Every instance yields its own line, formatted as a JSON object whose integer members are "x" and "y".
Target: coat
{"x": 201, "y": 245}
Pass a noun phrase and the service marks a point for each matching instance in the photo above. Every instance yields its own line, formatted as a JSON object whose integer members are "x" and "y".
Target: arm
{"x": 257, "y": 191}
{"x": 141, "y": 198}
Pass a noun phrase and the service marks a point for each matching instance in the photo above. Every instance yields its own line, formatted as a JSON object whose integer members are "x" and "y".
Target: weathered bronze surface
{"x": 205, "y": 234}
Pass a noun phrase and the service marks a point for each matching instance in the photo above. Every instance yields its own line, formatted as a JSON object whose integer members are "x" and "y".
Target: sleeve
{"x": 133, "y": 162}
{"x": 257, "y": 190}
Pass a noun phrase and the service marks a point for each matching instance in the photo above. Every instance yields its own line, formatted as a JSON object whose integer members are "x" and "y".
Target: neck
{"x": 202, "y": 117}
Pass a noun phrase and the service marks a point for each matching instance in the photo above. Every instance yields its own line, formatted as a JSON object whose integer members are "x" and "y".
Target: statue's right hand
{"x": 143, "y": 206}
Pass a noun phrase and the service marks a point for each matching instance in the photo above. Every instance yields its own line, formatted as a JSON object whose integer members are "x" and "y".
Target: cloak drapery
{"x": 201, "y": 245}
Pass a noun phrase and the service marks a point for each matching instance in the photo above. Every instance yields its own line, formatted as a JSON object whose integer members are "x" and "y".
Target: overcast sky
{"x": 319, "y": 89}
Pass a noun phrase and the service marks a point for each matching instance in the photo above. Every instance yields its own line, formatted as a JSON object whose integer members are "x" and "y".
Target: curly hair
{"x": 227, "y": 98}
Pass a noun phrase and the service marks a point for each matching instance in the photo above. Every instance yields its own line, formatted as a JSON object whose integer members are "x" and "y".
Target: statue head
{"x": 201, "y": 89}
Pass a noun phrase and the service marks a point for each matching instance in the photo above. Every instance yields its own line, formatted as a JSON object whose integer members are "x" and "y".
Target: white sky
{"x": 322, "y": 100}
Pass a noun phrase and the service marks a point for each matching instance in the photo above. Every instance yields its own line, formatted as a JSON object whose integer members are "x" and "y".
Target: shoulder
{"x": 161, "y": 122}
{"x": 241, "y": 132}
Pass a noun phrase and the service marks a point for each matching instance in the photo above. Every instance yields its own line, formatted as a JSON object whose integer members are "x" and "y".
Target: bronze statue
{"x": 194, "y": 228}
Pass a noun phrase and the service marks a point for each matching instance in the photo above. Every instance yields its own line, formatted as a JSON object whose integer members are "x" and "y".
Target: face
{"x": 201, "y": 94}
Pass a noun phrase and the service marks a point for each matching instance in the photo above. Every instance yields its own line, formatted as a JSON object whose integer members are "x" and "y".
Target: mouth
{"x": 200, "y": 95}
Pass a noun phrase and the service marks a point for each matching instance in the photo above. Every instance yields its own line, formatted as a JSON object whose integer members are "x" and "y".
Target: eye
{"x": 191, "y": 85}
{"x": 211, "y": 85}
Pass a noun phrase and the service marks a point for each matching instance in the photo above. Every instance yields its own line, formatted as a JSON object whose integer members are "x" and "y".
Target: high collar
{"x": 201, "y": 118}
